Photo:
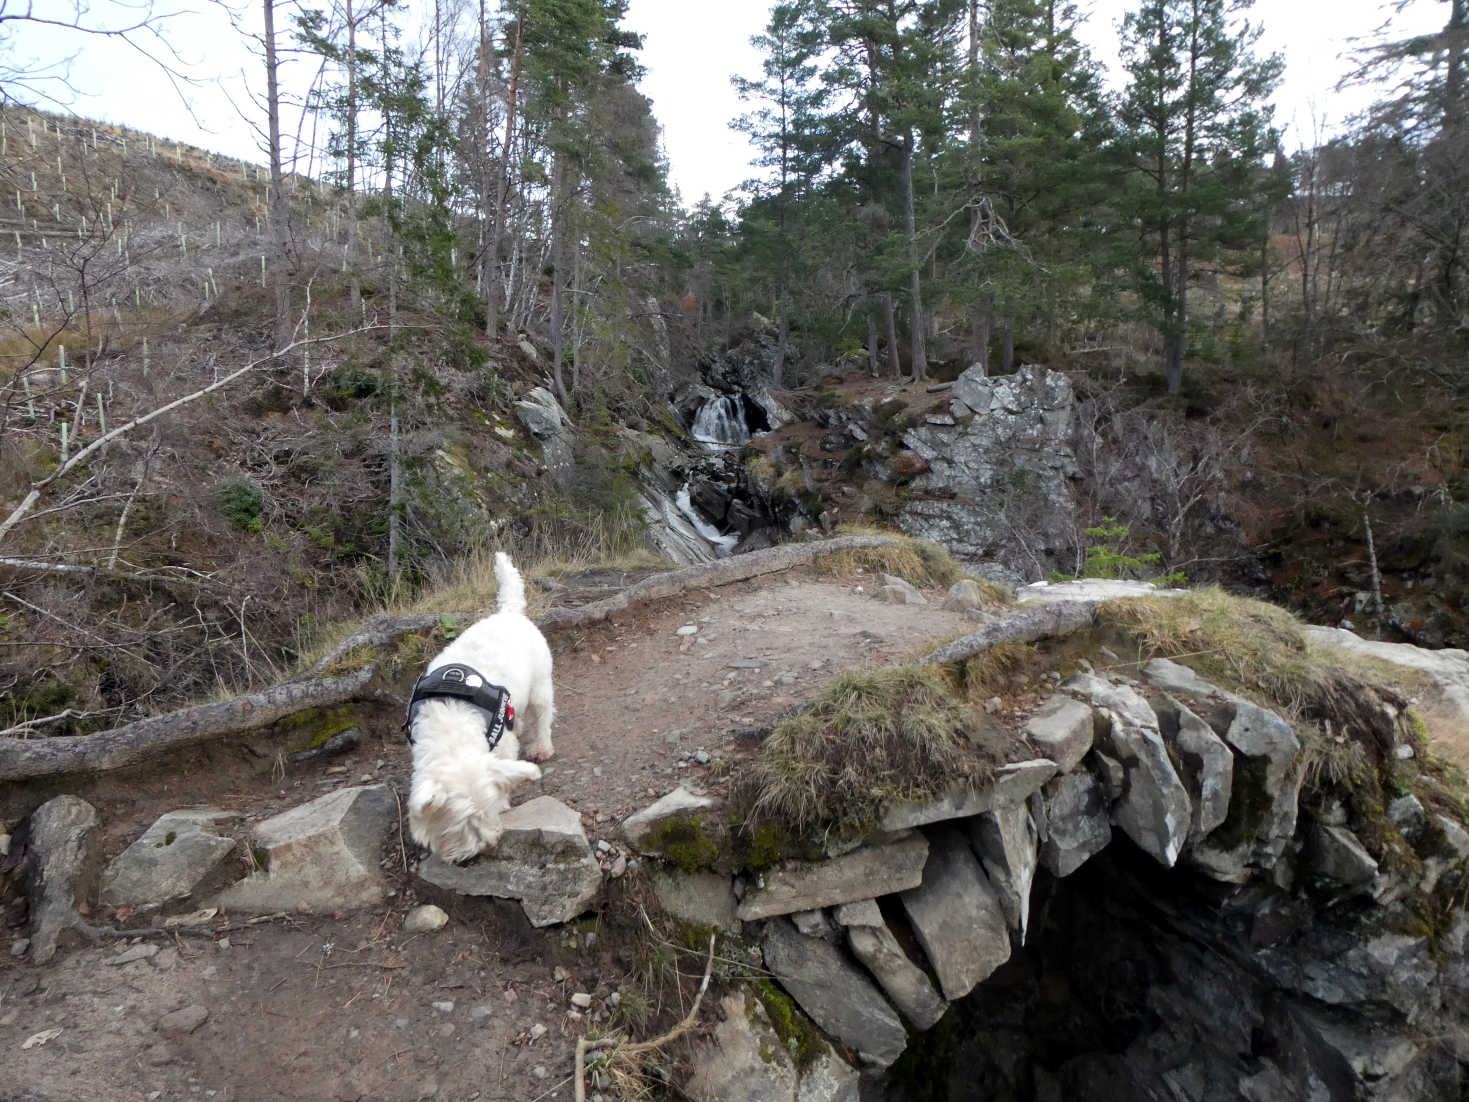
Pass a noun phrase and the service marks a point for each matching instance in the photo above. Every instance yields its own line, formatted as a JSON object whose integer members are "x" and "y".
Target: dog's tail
{"x": 512, "y": 588}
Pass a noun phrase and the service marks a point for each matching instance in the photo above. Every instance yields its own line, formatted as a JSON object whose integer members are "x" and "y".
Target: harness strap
{"x": 458, "y": 682}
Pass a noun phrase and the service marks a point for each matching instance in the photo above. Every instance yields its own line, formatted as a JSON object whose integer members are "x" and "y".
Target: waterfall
{"x": 722, "y": 544}
{"x": 720, "y": 423}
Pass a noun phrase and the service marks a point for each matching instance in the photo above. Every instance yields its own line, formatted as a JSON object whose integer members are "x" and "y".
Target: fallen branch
{"x": 710, "y": 575}
{"x": 583, "y": 1046}
{"x": 1039, "y": 621}
{"x": 26, "y": 759}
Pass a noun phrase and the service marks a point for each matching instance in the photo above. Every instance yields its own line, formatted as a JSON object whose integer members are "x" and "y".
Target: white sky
{"x": 692, "y": 47}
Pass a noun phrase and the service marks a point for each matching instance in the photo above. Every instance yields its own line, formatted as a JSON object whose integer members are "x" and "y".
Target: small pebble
{"x": 581, "y": 1000}
{"x": 993, "y": 705}
{"x": 20, "y": 946}
{"x": 539, "y": 1071}
{"x": 223, "y": 943}
{"x": 182, "y": 1022}
{"x": 423, "y": 919}
{"x": 619, "y": 867}
{"x": 603, "y": 846}
{"x": 444, "y": 1006}
{"x": 688, "y": 629}
{"x": 701, "y": 756}
{"x": 141, "y": 951}
{"x": 537, "y": 1031}
{"x": 559, "y": 974}
{"x": 481, "y": 1014}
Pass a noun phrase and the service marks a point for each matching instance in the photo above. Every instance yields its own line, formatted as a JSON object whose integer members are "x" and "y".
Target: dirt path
{"x": 351, "y": 1007}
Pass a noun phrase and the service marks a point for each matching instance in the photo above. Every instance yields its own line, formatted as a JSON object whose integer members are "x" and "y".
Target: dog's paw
{"x": 541, "y": 754}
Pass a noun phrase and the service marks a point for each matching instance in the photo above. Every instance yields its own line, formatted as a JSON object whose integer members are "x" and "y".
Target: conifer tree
{"x": 1197, "y": 131}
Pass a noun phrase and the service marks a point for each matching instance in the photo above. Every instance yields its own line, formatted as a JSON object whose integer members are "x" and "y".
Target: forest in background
{"x": 940, "y": 183}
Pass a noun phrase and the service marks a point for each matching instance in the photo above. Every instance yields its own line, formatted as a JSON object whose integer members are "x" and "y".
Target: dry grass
{"x": 1261, "y": 650}
{"x": 873, "y": 738}
{"x": 919, "y": 562}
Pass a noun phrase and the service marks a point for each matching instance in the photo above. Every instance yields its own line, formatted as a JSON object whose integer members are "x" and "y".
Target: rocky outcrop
{"x": 997, "y": 484}
{"x": 1232, "y": 911}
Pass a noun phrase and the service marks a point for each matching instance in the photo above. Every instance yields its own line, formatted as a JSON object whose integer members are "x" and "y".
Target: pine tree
{"x": 1197, "y": 133}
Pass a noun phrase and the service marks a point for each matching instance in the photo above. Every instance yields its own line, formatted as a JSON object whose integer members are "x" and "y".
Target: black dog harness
{"x": 463, "y": 683}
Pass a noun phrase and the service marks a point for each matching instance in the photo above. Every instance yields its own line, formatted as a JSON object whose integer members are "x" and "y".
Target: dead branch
{"x": 583, "y": 1046}
{"x": 85, "y": 454}
{"x": 1041, "y": 621}
{"x": 27, "y": 759}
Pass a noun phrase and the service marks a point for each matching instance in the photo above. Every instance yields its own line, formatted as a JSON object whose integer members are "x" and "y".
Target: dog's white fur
{"x": 460, "y": 789}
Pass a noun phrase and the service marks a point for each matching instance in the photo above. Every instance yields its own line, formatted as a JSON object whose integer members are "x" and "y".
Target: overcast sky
{"x": 692, "y": 47}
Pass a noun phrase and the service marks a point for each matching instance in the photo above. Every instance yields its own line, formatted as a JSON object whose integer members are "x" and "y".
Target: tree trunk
{"x": 1007, "y": 347}
{"x": 558, "y": 237}
{"x": 890, "y": 327}
{"x": 871, "y": 341}
{"x": 354, "y": 276}
{"x": 395, "y": 441}
{"x": 28, "y": 759}
{"x": 507, "y": 159}
{"x": 915, "y": 291}
{"x": 277, "y": 212}
{"x": 783, "y": 328}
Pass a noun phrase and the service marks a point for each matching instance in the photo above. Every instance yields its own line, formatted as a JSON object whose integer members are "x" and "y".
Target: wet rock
{"x": 171, "y": 859}
{"x": 318, "y": 857}
{"x": 63, "y": 856}
{"x": 835, "y": 994}
{"x": 1011, "y": 784}
{"x": 1061, "y": 729}
{"x": 1076, "y": 823}
{"x": 806, "y": 885}
{"x": 543, "y": 860}
{"x": 956, "y": 915}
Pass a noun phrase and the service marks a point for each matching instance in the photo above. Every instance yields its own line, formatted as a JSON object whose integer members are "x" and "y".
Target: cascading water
{"x": 720, "y": 423}
{"x": 722, "y": 544}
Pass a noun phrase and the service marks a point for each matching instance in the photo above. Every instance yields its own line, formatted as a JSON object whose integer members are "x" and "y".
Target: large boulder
{"x": 63, "y": 857}
{"x": 543, "y": 860}
{"x": 1062, "y": 730}
{"x": 834, "y": 993}
{"x": 1205, "y": 765}
{"x": 1075, "y": 826}
{"x": 957, "y": 916}
{"x": 172, "y": 859}
{"x": 1011, "y": 440}
{"x": 1154, "y": 809}
{"x": 319, "y": 857}
{"x": 807, "y": 885}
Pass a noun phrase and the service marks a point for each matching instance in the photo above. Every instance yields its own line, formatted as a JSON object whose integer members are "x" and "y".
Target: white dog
{"x": 461, "y": 719}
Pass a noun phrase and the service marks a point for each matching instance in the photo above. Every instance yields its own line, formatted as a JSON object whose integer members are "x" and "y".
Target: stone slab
{"x": 806, "y": 885}
{"x": 956, "y": 915}
{"x": 1012, "y": 784}
{"x": 835, "y": 994}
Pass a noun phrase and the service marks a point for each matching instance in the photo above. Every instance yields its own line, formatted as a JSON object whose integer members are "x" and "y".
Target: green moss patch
{"x": 801, "y": 1038}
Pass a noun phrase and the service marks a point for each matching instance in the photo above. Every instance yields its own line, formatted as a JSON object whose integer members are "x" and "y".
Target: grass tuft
{"x": 919, "y": 562}
{"x": 873, "y": 738}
